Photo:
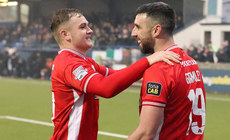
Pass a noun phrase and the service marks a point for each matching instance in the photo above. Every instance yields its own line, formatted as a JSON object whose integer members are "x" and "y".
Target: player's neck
{"x": 83, "y": 52}
{"x": 162, "y": 44}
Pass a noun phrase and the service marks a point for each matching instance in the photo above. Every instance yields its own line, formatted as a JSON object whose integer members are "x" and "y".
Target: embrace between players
{"x": 170, "y": 106}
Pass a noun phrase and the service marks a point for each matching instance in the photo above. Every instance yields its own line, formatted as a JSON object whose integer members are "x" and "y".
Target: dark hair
{"x": 161, "y": 13}
{"x": 60, "y": 17}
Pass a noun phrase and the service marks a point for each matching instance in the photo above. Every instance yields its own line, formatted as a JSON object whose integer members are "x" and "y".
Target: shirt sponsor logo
{"x": 79, "y": 73}
{"x": 153, "y": 88}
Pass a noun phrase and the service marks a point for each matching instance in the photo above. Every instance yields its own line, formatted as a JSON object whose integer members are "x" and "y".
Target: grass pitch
{"x": 31, "y": 99}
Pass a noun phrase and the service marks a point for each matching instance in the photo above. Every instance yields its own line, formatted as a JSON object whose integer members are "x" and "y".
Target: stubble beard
{"x": 147, "y": 47}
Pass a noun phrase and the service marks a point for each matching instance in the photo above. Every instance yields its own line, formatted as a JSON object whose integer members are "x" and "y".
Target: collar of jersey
{"x": 172, "y": 47}
{"x": 72, "y": 51}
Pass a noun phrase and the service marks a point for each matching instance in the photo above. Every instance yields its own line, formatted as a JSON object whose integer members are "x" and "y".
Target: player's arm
{"x": 102, "y": 69}
{"x": 159, "y": 56}
{"x": 151, "y": 119}
{"x": 115, "y": 83}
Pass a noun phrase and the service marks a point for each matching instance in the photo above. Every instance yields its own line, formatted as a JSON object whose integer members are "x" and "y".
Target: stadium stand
{"x": 26, "y": 50}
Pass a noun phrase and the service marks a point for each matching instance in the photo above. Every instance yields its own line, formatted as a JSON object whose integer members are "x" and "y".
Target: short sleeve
{"x": 78, "y": 74}
{"x": 156, "y": 84}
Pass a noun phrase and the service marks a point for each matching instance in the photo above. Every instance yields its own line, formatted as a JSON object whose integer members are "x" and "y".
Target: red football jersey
{"x": 179, "y": 89}
{"x": 76, "y": 80}
{"x": 72, "y": 109}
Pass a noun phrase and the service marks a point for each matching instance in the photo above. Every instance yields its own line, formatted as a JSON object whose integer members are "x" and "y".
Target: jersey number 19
{"x": 195, "y": 96}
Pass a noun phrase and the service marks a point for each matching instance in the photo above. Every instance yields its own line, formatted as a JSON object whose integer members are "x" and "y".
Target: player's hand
{"x": 165, "y": 56}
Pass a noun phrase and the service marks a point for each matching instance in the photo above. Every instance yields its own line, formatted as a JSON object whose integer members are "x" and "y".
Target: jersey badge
{"x": 79, "y": 73}
{"x": 153, "y": 88}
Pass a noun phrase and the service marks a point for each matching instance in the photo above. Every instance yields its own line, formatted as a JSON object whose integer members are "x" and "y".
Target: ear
{"x": 65, "y": 35}
{"x": 156, "y": 30}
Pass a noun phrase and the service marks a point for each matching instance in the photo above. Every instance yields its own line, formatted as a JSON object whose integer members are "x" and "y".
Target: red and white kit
{"x": 179, "y": 89}
{"x": 76, "y": 80}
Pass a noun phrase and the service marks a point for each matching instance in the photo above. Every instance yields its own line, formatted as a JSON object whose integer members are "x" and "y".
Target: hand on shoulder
{"x": 166, "y": 56}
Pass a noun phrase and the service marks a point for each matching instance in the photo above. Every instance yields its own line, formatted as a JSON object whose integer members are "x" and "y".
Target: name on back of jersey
{"x": 194, "y": 76}
{"x": 188, "y": 63}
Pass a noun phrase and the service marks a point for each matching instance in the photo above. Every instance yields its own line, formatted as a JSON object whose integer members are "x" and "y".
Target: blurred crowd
{"x": 209, "y": 53}
{"x": 38, "y": 65}
{"x": 108, "y": 31}
{"x": 116, "y": 30}
{"x": 34, "y": 34}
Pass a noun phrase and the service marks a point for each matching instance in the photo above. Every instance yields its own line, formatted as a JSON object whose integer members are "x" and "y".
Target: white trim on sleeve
{"x": 87, "y": 81}
{"x": 93, "y": 68}
{"x": 153, "y": 103}
{"x": 107, "y": 72}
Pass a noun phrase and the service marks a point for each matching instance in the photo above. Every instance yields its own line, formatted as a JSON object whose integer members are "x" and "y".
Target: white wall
{"x": 188, "y": 35}
{"x": 219, "y": 8}
{"x": 226, "y": 12}
{"x": 216, "y": 33}
{"x": 195, "y": 33}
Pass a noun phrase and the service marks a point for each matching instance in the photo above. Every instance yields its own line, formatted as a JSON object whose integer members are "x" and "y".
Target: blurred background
{"x": 27, "y": 48}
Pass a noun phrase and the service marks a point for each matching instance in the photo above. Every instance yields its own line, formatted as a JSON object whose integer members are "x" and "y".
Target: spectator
{"x": 228, "y": 47}
{"x": 12, "y": 61}
{"x": 46, "y": 71}
{"x": 35, "y": 65}
{"x": 222, "y": 53}
{"x": 21, "y": 68}
{"x": 208, "y": 54}
{"x": 3, "y": 64}
{"x": 192, "y": 50}
{"x": 200, "y": 53}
